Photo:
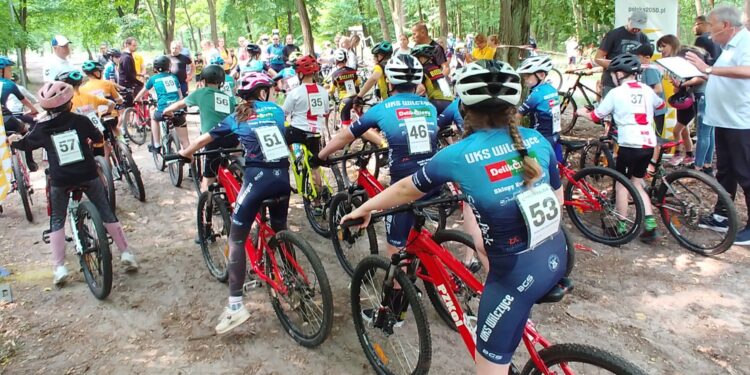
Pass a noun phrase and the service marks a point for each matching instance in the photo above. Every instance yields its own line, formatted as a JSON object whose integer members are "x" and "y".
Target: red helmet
{"x": 682, "y": 100}
{"x": 306, "y": 65}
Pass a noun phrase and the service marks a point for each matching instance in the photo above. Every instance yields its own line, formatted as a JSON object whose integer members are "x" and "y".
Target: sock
{"x": 650, "y": 222}
{"x": 235, "y": 303}
{"x": 57, "y": 242}
{"x": 115, "y": 231}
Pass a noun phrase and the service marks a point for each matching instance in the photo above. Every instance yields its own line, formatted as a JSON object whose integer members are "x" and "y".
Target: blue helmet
{"x": 5, "y": 62}
{"x": 216, "y": 60}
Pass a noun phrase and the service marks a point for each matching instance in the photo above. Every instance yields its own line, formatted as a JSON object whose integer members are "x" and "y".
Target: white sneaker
{"x": 61, "y": 275}
{"x": 127, "y": 259}
{"x": 231, "y": 319}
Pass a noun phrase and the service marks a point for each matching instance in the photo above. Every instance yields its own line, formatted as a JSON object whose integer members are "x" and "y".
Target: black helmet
{"x": 253, "y": 49}
{"x": 626, "y": 63}
{"x": 162, "y": 63}
{"x": 73, "y": 77}
{"x": 213, "y": 74}
{"x": 113, "y": 52}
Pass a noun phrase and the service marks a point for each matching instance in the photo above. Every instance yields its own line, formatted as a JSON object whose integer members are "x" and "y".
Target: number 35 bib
{"x": 541, "y": 210}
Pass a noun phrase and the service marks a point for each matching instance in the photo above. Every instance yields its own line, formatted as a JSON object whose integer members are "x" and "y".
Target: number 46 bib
{"x": 541, "y": 210}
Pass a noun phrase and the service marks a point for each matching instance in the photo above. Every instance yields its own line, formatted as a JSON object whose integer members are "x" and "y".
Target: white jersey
{"x": 14, "y": 105}
{"x": 307, "y": 106}
{"x": 632, "y": 107}
{"x": 55, "y": 66}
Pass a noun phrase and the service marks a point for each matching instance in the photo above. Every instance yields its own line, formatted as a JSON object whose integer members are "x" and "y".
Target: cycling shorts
{"x": 309, "y": 139}
{"x": 684, "y": 116}
{"x": 514, "y": 284}
{"x": 213, "y": 161}
{"x": 440, "y": 104}
{"x": 554, "y": 140}
{"x": 260, "y": 184}
{"x": 398, "y": 225}
{"x": 179, "y": 121}
{"x": 12, "y": 124}
{"x": 633, "y": 162}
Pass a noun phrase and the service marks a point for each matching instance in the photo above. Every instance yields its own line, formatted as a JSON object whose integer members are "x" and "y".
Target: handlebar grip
{"x": 352, "y": 222}
{"x": 176, "y": 157}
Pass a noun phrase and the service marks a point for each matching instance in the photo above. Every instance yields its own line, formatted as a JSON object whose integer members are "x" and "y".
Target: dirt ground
{"x": 662, "y": 307}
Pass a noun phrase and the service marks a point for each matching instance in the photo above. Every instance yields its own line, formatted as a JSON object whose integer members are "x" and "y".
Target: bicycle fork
{"x": 72, "y": 208}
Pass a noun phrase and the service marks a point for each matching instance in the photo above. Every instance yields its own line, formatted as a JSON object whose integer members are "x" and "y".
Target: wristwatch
{"x": 708, "y": 70}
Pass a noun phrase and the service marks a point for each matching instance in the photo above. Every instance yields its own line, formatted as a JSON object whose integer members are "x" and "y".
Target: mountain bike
{"x": 569, "y": 105}
{"x": 294, "y": 275}
{"x": 393, "y": 343}
{"x": 108, "y": 180}
{"x": 136, "y": 120}
{"x": 21, "y": 181}
{"x": 121, "y": 159}
{"x": 170, "y": 144}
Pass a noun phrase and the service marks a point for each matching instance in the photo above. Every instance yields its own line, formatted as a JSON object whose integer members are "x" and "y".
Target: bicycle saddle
{"x": 573, "y": 145}
{"x": 556, "y": 294}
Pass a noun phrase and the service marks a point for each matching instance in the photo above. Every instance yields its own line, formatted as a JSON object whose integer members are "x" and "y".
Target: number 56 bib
{"x": 541, "y": 210}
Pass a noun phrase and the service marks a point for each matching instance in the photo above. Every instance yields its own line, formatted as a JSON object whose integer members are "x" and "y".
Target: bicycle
{"x": 373, "y": 284}
{"x": 273, "y": 257}
{"x": 21, "y": 181}
{"x": 121, "y": 158}
{"x": 170, "y": 144}
{"x": 137, "y": 119}
{"x": 568, "y": 101}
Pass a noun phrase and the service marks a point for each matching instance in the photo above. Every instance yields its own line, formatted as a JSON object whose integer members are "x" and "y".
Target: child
{"x": 83, "y": 103}
{"x": 254, "y": 64}
{"x": 434, "y": 85}
{"x": 287, "y": 79}
{"x": 71, "y": 167}
{"x": 652, "y": 77}
{"x": 167, "y": 90}
{"x": 345, "y": 84}
{"x": 199, "y": 63}
{"x": 229, "y": 83}
{"x": 9, "y": 88}
{"x": 110, "y": 70}
{"x": 104, "y": 89}
{"x": 543, "y": 102}
{"x": 632, "y": 105}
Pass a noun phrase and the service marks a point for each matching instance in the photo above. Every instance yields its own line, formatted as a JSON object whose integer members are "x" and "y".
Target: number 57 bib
{"x": 541, "y": 210}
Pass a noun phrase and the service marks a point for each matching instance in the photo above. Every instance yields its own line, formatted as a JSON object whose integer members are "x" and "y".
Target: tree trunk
{"x": 193, "y": 43}
{"x": 515, "y": 19}
{"x": 307, "y": 34}
{"x": 578, "y": 19}
{"x": 289, "y": 22}
{"x": 397, "y": 15}
{"x": 443, "y": 18}
{"x": 383, "y": 21}
{"x": 362, "y": 14}
{"x": 458, "y": 22}
{"x": 212, "y": 21}
{"x": 247, "y": 26}
{"x": 419, "y": 10}
{"x": 698, "y": 8}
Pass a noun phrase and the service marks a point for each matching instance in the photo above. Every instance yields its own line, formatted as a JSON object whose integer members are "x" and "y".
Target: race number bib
{"x": 272, "y": 143}
{"x": 96, "y": 121}
{"x": 226, "y": 88}
{"x": 541, "y": 210}
{"x": 317, "y": 104}
{"x": 170, "y": 85}
{"x": 444, "y": 87}
{"x": 351, "y": 89}
{"x": 67, "y": 147}
{"x": 417, "y": 135}
{"x": 221, "y": 103}
{"x": 292, "y": 82}
{"x": 556, "y": 119}
{"x": 99, "y": 93}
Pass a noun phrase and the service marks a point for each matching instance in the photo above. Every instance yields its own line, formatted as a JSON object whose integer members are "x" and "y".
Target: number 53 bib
{"x": 541, "y": 210}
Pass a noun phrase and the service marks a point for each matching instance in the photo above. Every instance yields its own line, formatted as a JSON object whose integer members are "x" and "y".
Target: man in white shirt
{"x": 58, "y": 62}
{"x": 571, "y": 49}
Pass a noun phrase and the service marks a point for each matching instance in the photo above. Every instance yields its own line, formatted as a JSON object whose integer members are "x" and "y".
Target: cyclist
{"x": 287, "y": 78}
{"x": 543, "y": 102}
{"x": 110, "y": 69}
{"x": 434, "y": 85}
{"x": 215, "y": 105}
{"x": 409, "y": 122}
{"x": 83, "y": 103}
{"x": 166, "y": 86}
{"x": 229, "y": 83}
{"x": 381, "y": 52}
{"x": 632, "y": 106}
{"x": 504, "y": 170}
{"x": 344, "y": 84}
{"x": 259, "y": 124}
{"x": 71, "y": 167}
{"x": 452, "y": 115}
{"x": 8, "y": 88}
{"x": 254, "y": 64}
{"x": 104, "y": 89}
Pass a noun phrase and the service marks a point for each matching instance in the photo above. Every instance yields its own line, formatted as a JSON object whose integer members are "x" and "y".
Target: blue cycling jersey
{"x": 451, "y": 115}
{"x": 167, "y": 89}
{"x": 8, "y": 87}
{"x": 254, "y": 66}
{"x": 277, "y": 54}
{"x": 542, "y": 104}
{"x": 256, "y": 130}
{"x": 109, "y": 71}
{"x": 409, "y": 123}
{"x": 287, "y": 72}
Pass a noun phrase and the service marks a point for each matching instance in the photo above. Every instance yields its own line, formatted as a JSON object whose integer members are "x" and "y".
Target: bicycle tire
{"x": 597, "y": 154}
{"x": 318, "y": 222}
{"x": 106, "y": 176}
{"x": 210, "y": 207}
{"x": 721, "y": 195}
{"x": 300, "y": 285}
{"x": 175, "y": 168}
{"x": 555, "y": 78}
{"x": 132, "y": 173}
{"x": 158, "y": 157}
{"x": 373, "y": 350}
{"x": 134, "y": 126}
{"x": 340, "y": 206}
{"x": 586, "y": 228}
{"x": 22, "y": 187}
{"x": 196, "y": 171}
{"x": 568, "y": 105}
{"x": 99, "y": 246}
{"x": 572, "y": 353}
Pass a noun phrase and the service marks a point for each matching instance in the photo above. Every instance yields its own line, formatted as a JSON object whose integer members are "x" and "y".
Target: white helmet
{"x": 541, "y": 63}
{"x": 488, "y": 83}
{"x": 339, "y": 55}
{"x": 403, "y": 69}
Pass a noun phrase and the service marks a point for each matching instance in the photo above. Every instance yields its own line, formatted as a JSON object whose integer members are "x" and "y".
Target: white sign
{"x": 663, "y": 16}
{"x": 418, "y": 135}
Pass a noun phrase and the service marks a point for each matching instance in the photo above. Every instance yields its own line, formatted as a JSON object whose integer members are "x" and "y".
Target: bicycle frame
{"x": 590, "y": 203}
{"x": 306, "y": 155}
{"x": 26, "y": 177}
{"x": 583, "y": 88}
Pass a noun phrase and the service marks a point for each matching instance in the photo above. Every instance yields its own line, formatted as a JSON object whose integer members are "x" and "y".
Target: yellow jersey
{"x": 382, "y": 82}
{"x": 138, "y": 61}
{"x": 486, "y": 53}
{"x": 102, "y": 89}
{"x": 86, "y": 103}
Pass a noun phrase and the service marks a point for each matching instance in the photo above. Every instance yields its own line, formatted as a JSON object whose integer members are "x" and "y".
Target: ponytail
{"x": 245, "y": 110}
{"x": 531, "y": 169}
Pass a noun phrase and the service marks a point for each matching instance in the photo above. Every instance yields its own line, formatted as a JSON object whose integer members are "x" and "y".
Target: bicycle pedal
{"x": 68, "y": 239}
{"x": 252, "y": 284}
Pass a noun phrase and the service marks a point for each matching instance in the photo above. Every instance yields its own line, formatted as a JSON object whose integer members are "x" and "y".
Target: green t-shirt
{"x": 214, "y": 106}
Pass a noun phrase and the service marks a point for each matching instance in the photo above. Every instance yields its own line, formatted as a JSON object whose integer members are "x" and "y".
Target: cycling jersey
{"x": 382, "y": 86}
{"x": 85, "y": 104}
{"x": 166, "y": 87}
{"x": 138, "y": 64}
{"x": 435, "y": 84}
{"x": 109, "y": 72}
{"x": 102, "y": 89}
{"x": 229, "y": 85}
{"x": 307, "y": 106}
{"x": 543, "y": 106}
{"x": 451, "y": 115}
{"x": 345, "y": 82}
{"x": 262, "y": 135}
{"x": 632, "y": 107}
{"x": 409, "y": 122}
{"x": 214, "y": 106}
{"x": 254, "y": 66}
{"x": 276, "y": 53}
{"x": 288, "y": 77}
{"x": 8, "y": 87}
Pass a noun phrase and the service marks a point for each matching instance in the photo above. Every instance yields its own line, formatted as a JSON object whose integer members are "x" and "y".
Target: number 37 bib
{"x": 541, "y": 210}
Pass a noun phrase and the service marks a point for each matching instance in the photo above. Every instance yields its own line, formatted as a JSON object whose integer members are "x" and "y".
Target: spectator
{"x": 469, "y": 43}
{"x": 263, "y": 48}
{"x": 728, "y": 109}
{"x": 403, "y": 45}
{"x": 276, "y": 54}
{"x": 289, "y": 47}
{"x": 209, "y": 51}
{"x": 354, "y": 42}
{"x": 482, "y": 51}
{"x": 182, "y": 66}
{"x": 421, "y": 36}
{"x": 102, "y": 56}
{"x": 571, "y": 49}
{"x": 351, "y": 58}
{"x": 703, "y": 38}
{"x": 493, "y": 41}
{"x": 58, "y": 62}
{"x": 230, "y": 60}
{"x": 128, "y": 78}
{"x": 242, "y": 55}
{"x": 451, "y": 44}
{"x": 623, "y": 39}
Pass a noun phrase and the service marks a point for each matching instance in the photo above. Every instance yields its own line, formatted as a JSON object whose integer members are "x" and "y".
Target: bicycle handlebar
{"x": 356, "y": 155}
{"x": 418, "y": 205}
{"x": 219, "y": 151}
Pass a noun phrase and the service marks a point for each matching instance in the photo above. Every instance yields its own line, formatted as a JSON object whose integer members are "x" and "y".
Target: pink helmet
{"x": 55, "y": 94}
{"x": 682, "y": 100}
{"x": 250, "y": 82}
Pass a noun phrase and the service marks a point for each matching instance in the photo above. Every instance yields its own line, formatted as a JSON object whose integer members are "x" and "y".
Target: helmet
{"x": 213, "y": 74}
{"x": 339, "y": 55}
{"x": 425, "y": 50}
{"x": 383, "y": 48}
{"x": 541, "y": 63}
{"x": 55, "y": 94}
{"x": 403, "y": 69}
{"x": 5, "y": 62}
{"x": 113, "y": 52}
{"x": 217, "y": 60}
{"x": 306, "y": 65}
{"x": 73, "y": 77}
{"x": 249, "y": 83}
{"x": 253, "y": 49}
{"x": 91, "y": 66}
{"x": 682, "y": 100}
{"x": 294, "y": 56}
{"x": 162, "y": 63}
{"x": 627, "y": 63}
{"x": 488, "y": 83}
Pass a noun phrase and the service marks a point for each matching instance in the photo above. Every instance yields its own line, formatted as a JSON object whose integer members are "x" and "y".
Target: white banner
{"x": 663, "y": 15}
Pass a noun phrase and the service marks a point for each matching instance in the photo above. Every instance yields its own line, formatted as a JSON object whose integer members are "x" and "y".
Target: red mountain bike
{"x": 21, "y": 181}
{"x": 137, "y": 119}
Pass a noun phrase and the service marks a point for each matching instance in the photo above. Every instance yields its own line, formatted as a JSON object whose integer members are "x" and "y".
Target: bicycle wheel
{"x": 568, "y": 107}
{"x": 305, "y": 309}
{"x": 22, "y": 187}
{"x": 597, "y": 154}
{"x": 175, "y": 168}
{"x": 96, "y": 259}
{"x": 392, "y": 329}
{"x": 350, "y": 244}
{"x": 555, "y": 78}
{"x": 134, "y": 126}
{"x": 581, "y": 359}
{"x": 590, "y": 202}
{"x": 196, "y": 171}
{"x": 317, "y": 209}
{"x": 684, "y": 198}
{"x": 105, "y": 174}
{"x": 213, "y": 233}
{"x": 158, "y": 157}
{"x": 132, "y": 173}
{"x": 462, "y": 247}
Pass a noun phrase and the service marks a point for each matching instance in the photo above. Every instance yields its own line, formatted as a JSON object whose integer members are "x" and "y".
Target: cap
{"x": 59, "y": 40}
{"x": 638, "y": 19}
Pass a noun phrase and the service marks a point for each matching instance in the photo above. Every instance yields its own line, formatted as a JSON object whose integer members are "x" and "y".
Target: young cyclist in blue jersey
{"x": 166, "y": 88}
{"x": 452, "y": 116}
{"x": 543, "y": 102}
{"x": 504, "y": 170}
{"x": 110, "y": 69}
{"x": 254, "y": 64}
{"x": 8, "y": 88}
{"x": 287, "y": 79}
{"x": 266, "y": 177}
{"x": 230, "y": 85}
